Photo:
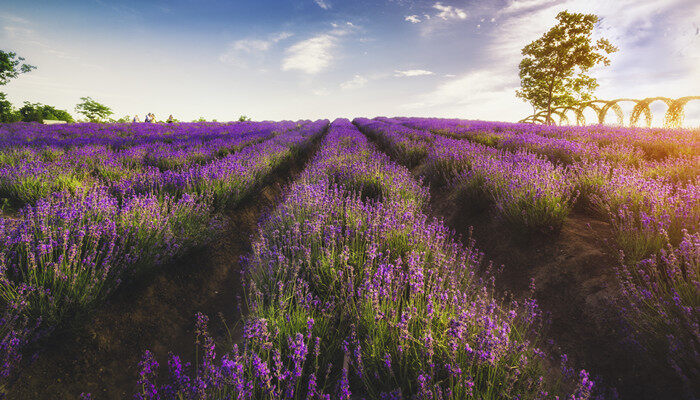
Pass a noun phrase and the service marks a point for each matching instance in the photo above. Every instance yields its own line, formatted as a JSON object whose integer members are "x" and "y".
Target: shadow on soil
{"x": 575, "y": 284}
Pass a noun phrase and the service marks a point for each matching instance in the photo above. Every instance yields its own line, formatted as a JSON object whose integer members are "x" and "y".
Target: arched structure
{"x": 672, "y": 119}
{"x": 615, "y": 106}
{"x": 676, "y": 111}
{"x": 644, "y": 106}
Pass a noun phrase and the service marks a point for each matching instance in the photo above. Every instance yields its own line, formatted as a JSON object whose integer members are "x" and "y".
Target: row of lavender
{"x": 30, "y": 173}
{"x": 678, "y": 165}
{"x": 644, "y": 204}
{"x": 622, "y": 143}
{"x": 36, "y": 136}
{"x": 353, "y": 292}
{"x": 63, "y": 255}
{"x": 656, "y": 221}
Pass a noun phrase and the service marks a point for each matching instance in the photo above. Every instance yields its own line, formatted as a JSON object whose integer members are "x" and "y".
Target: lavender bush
{"x": 652, "y": 203}
{"x": 66, "y": 250}
{"x": 364, "y": 296}
{"x": 661, "y": 306}
{"x": 527, "y": 191}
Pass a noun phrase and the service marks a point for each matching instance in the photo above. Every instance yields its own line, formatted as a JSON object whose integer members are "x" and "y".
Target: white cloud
{"x": 242, "y": 50}
{"x": 477, "y": 84}
{"x": 316, "y": 54}
{"x": 441, "y": 18}
{"x": 412, "y": 72}
{"x": 251, "y": 45}
{"x": 412, "y": 19}
{"x": 356, "y": 82}
{"x": 13, "y": 18}
{"x": 310, "y": 56}
{"x": 343, "y": 29}
{"x": 449, "y": 12}
{"x": 483, "y": 94}
{"x": 522, "y": 5}
{"x": 323, "y": 4}
{"x": 281, "y": 36}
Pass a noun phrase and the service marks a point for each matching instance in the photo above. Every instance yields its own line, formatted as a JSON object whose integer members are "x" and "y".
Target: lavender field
{"x": 385, "y": 258}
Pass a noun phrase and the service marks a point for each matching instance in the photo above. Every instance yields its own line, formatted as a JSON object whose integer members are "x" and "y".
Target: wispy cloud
{"x": 526, "y": 5}
{"x": 449, "y": 12}
{"x": 17, "y": 31}
{"x": 316, "y": 54}
{"x": 240, "y": 51}
{"x": 13, "y": 18}
{"x": 414, "y": 19}
{"x": 358, "y": 81}
{"x": 412, "y": 72}
{"x": 251, "y": 45}
{"x": 437, "y": 17}
{"x": 310, "y": 56}
{"x": 323, "y": 4}
{"x": 483, "y": 94}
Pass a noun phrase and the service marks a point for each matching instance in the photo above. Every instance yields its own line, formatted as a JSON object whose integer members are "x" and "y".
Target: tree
{"x": 554, "y": 70}
{"x": 7, "y": 112}
{"x": 11, "y": 66}
{"x": 61, "y": 115}
{"x": 121, "y": 120}
{"x": 243, "y": 118}
{"x": 37, "y": 112}
{"x": 92, "y": 110}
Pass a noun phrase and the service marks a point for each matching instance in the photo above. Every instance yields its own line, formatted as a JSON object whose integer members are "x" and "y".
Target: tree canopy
{"x": 554, "y": 71}
{"x": 92, "y": 110}
{"x": 31, "y": 112}
{"x": 7, "y": 112}
{"x": 37, "y": 112}
{"x": 11, "y": 65}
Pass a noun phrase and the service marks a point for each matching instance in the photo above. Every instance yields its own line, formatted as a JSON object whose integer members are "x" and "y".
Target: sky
{"x": 331, "y": 58}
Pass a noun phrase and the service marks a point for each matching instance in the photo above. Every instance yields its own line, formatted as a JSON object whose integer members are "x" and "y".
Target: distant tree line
{"x": 12, "y": 65}
{"x": 30, "y": 112}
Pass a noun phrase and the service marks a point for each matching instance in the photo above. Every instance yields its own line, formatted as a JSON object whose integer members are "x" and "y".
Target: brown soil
{"x": 155, "y": 313}
{"x": 574, "y": 276}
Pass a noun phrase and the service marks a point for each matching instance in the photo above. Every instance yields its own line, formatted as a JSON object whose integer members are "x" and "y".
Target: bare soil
{"x": 155, "y": 312}
{"x": 575, "y": 284}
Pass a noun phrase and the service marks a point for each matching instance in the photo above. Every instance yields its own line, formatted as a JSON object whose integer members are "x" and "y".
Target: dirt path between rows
{"x": 575, "y": 283}
{"x": 156, "y": 313}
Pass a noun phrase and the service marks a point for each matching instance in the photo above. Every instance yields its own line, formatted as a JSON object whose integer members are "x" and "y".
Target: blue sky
{"x": 329, "y": 58}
